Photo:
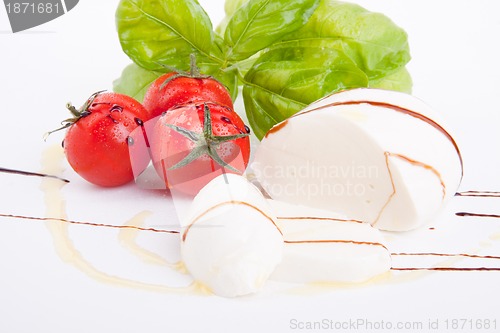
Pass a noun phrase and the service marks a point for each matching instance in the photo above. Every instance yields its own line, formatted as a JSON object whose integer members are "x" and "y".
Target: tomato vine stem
{"x": 206, "y": 142}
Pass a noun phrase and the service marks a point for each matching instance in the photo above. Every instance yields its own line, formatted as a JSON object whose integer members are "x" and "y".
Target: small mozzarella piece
{"x": 230, "y": 242}
{"x": 323, "y": 246}
{"x": 372, "y": 155}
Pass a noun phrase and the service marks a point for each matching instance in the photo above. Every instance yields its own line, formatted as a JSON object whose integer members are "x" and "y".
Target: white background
{"x": 455, "y": 67}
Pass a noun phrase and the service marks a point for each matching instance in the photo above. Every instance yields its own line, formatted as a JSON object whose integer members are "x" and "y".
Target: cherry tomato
{"x": 193, "y": 144}
{"x": 179, "y": 88}
{"x": 98, "y": 139}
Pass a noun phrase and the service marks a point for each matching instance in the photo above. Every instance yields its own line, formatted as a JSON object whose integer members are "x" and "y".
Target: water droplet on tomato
{"x": 138, "y": 121}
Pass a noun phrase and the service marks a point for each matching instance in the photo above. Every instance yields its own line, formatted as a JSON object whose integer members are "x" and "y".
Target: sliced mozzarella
{"x": 373, "y": 155}
{"x": 230, "y": 242}
{"x": 321, "y": 246}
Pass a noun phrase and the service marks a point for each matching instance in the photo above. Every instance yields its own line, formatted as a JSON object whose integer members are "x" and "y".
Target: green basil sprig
{"x": 135, "y": 81}
{"x": 154, "y": 32}
{"x": 284, "y": 80}
{"x": 372, "y": 40}
{"x": 286, "y": 54}
{"x": 258, "y": 24}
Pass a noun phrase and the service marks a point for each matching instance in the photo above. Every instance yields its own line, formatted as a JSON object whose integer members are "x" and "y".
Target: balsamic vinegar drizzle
{"x": 481, "y": 194}
{"x": 293, "y": 242}
{"x": 394, "y": 254}
{"x": 29, "y": 173}
{"x": 478, "y": 194}
{"x": 194, "y": 286}
{"x": 421, "y": 165}
{"x": 318, "y": 219}
{"x": 445, "y": 255}
{"x": 444, "y": 269}
{"x": 232, "y": 202}
{"x": 450, "y": 269}
{"x": 33, "y": 218}
{"x": 466, "y": 214}
{"x": 325, "y": 241}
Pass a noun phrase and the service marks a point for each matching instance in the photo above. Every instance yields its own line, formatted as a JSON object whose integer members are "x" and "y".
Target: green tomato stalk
{"x": 205, "y": 142}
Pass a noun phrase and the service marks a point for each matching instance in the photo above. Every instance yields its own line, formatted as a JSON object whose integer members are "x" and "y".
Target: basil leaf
{"x": 259, "y": 23}
{"x": 398, "y": 81}
{"x": 231, "y": 6}
{"x": 377, "y": 45}
{"x": 227, "y": 76}
{"x": 164, "y": 31}
{"x": 264, "y": 108}
{"x": 285, "y": 79}
{"x": 135, "y": 81}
